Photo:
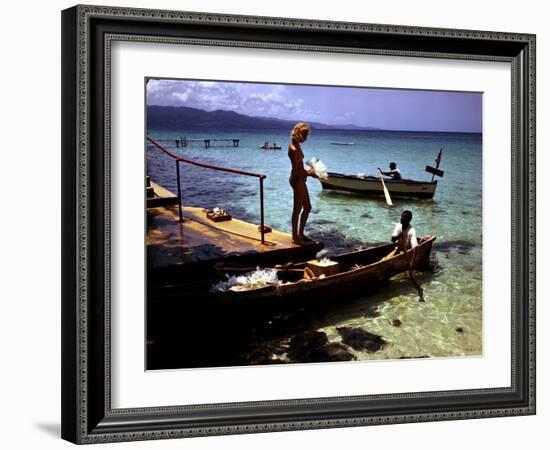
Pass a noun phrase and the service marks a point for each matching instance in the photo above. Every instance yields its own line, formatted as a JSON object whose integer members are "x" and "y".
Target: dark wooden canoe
{"x": 351, "y": 281}
{"x": 360, "y": 272}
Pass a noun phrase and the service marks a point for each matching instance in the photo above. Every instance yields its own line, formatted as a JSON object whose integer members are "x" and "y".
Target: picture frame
{"x": 87, "y": 412}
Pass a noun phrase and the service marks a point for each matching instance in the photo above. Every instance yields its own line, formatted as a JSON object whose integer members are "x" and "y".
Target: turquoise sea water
{"x": 449, "y": 322}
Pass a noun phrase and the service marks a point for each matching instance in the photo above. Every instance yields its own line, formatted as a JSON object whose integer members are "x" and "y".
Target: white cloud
{"x": 245, "y": 98}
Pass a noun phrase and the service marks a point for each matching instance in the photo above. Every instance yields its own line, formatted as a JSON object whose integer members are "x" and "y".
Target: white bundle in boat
{"x": 325, "y": 262}
{"x": 247, "y": 282}
{"x": 318, "y": 168}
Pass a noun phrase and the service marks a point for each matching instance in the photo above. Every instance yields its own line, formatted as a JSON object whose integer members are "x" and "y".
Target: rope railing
{"x": 179, "y": 159}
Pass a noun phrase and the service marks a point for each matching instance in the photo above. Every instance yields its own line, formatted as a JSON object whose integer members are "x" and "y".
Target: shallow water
{"x": 449, "y": 322}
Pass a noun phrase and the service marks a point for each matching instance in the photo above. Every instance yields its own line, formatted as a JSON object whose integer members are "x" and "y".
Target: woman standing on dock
{"x": 298, "y": 177}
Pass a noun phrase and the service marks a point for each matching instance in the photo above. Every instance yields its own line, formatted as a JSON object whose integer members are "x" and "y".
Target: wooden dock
{"x": 178, "y": 250}
{"x": 225, "y": 142}
{"x": 197, "y": 239}
{"x": 158, "y": 196}
{"x": 184, "y": 142}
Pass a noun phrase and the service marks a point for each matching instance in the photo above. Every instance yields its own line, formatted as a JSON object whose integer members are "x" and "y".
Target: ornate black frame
{"x": 87, "y": 31}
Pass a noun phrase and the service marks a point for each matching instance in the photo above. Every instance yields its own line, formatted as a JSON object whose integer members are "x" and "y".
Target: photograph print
{"x": 290, "y": 223}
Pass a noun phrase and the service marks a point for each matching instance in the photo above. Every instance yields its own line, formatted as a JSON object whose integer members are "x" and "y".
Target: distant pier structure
{"x": 225, "y": 142}
{"x": 184, "y": 142}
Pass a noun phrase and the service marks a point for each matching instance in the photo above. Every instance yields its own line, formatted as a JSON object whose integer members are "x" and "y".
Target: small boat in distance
{"x": 273, "y": 146}
{"x": 343, "y": 143}
{"x": 371, "y": 186}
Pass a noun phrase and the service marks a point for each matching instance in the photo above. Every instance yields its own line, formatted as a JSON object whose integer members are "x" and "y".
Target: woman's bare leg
{"x": 299, "y": 192}
{"x": 306, "y": 205}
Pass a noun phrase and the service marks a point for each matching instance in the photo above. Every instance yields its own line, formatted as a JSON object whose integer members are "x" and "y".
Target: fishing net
{"x": 257, "y": 279}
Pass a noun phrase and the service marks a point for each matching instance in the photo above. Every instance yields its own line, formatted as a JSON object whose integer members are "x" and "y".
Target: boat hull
{"x": 193, "y": 300}
{"x": 348, "y": 284}
{"x": 371, "y": 186}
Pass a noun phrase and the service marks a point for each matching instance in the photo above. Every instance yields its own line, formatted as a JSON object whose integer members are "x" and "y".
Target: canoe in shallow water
{"x": 371, "y": 186}
{"x": 359, "y": 272}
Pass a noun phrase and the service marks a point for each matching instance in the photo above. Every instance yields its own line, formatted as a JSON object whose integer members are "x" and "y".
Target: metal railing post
{"x": 179, "y": 189}
{"x": 262, "y": 208}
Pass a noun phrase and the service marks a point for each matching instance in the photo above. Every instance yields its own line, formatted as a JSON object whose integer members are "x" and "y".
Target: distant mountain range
{"x": 182, "y": 117}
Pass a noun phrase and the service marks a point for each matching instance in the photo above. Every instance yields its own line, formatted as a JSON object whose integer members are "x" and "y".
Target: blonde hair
{"x": 300, "y": 131}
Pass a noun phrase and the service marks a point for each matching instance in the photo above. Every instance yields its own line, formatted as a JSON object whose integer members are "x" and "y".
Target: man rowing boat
{"x": 394, "y": 172}
{"x": 405, "y": 236}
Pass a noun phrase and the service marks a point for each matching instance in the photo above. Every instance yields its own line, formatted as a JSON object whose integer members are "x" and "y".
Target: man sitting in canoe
{"x": 404, "y": 234}
{"x": 394, "y": 172}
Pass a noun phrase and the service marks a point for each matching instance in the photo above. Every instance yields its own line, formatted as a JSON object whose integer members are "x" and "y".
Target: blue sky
{"x": 392, "y": 109}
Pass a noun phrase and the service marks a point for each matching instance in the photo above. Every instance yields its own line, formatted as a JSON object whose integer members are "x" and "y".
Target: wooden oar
{"x": 409, "y": 264}
{"x": 386, "y": 192}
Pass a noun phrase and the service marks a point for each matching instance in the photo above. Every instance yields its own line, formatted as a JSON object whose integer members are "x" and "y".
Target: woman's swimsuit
{"x": 295, "y": 178}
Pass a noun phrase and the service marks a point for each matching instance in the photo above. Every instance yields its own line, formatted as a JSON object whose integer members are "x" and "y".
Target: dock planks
{"x": 198, "y": 240}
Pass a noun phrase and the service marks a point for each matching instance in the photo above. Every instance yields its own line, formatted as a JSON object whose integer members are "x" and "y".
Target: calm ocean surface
{"x": 449, "y": 322}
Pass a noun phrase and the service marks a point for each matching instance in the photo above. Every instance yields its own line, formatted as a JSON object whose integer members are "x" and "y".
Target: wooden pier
{"x": 178, "y": 236}
{"x": 176, "y": 249}
{"x": 198, "y": 239}
{"x": 158, "y": 196}
{"x": 184, "y": 142}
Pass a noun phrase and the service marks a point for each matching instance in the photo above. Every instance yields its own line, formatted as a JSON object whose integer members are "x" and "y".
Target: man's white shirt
{"x": 410, "y": 236}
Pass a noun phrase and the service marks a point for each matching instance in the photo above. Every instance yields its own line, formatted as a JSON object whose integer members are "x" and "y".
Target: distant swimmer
{"x": 394, "y": 172}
